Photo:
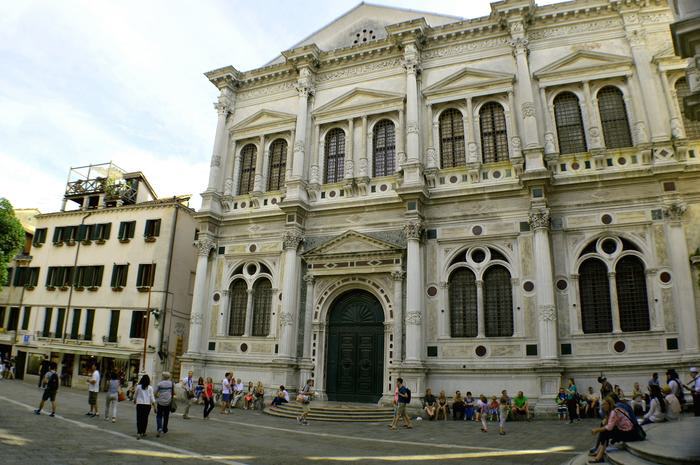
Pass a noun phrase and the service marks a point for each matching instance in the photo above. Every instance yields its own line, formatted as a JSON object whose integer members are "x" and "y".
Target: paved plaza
{"x": 246, "y": 437}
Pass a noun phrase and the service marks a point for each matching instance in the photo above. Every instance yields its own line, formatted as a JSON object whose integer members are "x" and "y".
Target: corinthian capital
{"x": 413, "y": 230}
{"x": 519, "y": 45}
{"x": 539, "y": 219}
{"x": 292, "y": 239}
{"x": 204, "y": 246}
{"x": 397, "y": 275}
{"x": 675, "y": 211}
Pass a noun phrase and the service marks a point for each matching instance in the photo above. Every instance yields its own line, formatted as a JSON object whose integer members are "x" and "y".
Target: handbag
{"x": 121, "y": 396}
{"x": 173, "y": 402}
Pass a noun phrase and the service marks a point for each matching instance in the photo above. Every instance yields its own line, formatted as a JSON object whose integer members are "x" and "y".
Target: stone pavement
{"x": 247, "y": 437}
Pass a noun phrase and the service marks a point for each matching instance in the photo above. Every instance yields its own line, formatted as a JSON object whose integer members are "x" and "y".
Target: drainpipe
{"x": 72, "y": 284}
{"x": 167, "y": 282}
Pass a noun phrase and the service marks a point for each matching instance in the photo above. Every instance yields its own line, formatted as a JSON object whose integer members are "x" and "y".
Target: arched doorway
{"x": 355, "y": 367}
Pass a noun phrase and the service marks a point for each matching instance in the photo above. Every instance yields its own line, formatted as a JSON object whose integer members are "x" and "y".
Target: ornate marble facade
{"x": 529, "y": 153}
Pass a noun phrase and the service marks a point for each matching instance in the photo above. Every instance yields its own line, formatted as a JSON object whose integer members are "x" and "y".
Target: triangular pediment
{"x": 359, "y": 98}
{"x": 352, "y": 242}
{"x": 265, "y": 118}
{"x": 583, "y": 62}
{"x": 469, "y": 78}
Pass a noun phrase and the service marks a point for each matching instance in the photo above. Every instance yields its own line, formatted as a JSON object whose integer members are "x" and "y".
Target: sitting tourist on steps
{"x": 442, "y": 407}
{"x": 521, "y": 406}
{"x": 673, "y": 405}
{"x": 458, "y": 406}
{"x": 619, "y": 427}
{"x": 430, "y": 404}
{"x": 657, "y": 407}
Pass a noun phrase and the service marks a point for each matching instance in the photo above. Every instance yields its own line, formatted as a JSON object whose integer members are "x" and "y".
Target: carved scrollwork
{"x": 292, "y": 239}
{"x": 398, "y": 275}
{"x": 528, "y": 109}
{"x": 414, "y": 318}
{"x": 539, "y": 219}
{"x": 196, "y": 318}
{"x": 204, "y": 246}
{"x": 286, "y": 319}
{"x": 413, "y": 230}
{"x": 215, "y": 161}
{"x": 309, "y": 278}
{"x": 548, "y": 313}
{"x": 675, "y": 211}
{"x": 519, "y": 45}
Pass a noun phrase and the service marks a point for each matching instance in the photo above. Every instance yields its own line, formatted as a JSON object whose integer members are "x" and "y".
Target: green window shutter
{"x": 82, "y": 232}
{"x": 56, "y": 234}
{"x": 95, "y": 232}
{"x": 113, "y": 282}
{"x": 125, "y": 274}
{"x": 97, "y": 281}
{"x": 107, "y": 228}
{"x": 122, "y": 230}
{"x": 139, "y": 277}
{"x": 156, "y": 228}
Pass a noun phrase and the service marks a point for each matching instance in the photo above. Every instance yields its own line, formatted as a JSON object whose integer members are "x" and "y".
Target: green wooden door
{"x": 355, "y": 365}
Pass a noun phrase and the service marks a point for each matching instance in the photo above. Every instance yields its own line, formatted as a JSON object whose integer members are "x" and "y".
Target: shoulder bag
{"x": 173, "y": 402}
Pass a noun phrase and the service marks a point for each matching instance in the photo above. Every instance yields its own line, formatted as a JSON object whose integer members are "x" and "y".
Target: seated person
{"x": 442, "y": 407}
{"x": 673, "y": 405}
{"x": 520, "y": 406}
{"x": 469, "y": 407}
{"x": 458, "y": 406}
{"x": 238, "y": 392}
{"x": 282, "y": 397}
{"x": 493, "y": 409}
{"x": 560, "y": 399}
{"x": 249, "y": 396}
{"x": 430, "y": 404}
{"x": 657, "y": 407}
{"x": 259, "y": 395}
{"x": 592, "y": 399}
{"x": 618, "y": 428}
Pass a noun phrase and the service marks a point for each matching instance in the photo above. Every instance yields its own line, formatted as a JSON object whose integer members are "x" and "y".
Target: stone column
{"x": 411, "y": 63}
{"x": 677, "y": 130}
{"x": 612, "y": 284}
{"x": 349, "y": 170}
{"x": 641, "y": 135}
{"x": 305, "y": 88}
{"x": 401, "y": 141}
{"x": 259, "y": 158}
{"x": 317, "y": 152}
{"x": 656, "y": 319}
{"x": 221, "y": 327}
{"x": 523, "y": 89}
{"x": 308, "y": 315}
{"x": 236, "y": 185}
{"x": 593, "y": 123}
{"x": 431, "y": 152}
{"x": 549, "y": 129}
{"x": 574, "y": 306}
{"x": 248, "y": 326}
{"x": 414, "y": 296}
{"x": 288, "y": 316}
{"x": 682, "y": 276}
{"x": 223, "y": 107}
{"x": 363, "y": 171}
{"x": 472, "y": 148}
{"x": 230, "y": 169}
{"x": 444, "y": 315}
{"x": 397, "y": 277}
{"x": 544, "y": 295}
{"x": 480, "y": 316}
{"x": 199, "y": 299}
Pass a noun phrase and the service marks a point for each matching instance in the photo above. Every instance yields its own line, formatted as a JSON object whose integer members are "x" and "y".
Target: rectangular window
{"x": 59, "y": 276}
{"x": 13, "y": 320}
{"x": 152, "y": 228}
{"x": 119, "y": 275}
{"x": 26, "y": 277}
{"x": 46, "y": 330}
{"x": 126, "y": 230}
{"x": 39, "y": 236}
{"x": 89, "y": 276}
{"x": 138, "y": 325}
{"x": 85, "y": 232}
{"x": 60, "y": 320}
{"x": 65, "y": 234}
{"x": 113, "y": 326}
{"x": 101, "y": 231}
{"x": 146, "y": 275}
{"x": 2, "y": 317}
{"x": 89, "y": 323}
{"x": 75, "y": 325}
{"x": 25, "y": 318}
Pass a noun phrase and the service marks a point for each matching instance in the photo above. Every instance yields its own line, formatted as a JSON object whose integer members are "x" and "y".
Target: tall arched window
{"x": 692, "y": 128}
{"x": 335, "y": 155}
{"x": 239, "y": 303}
{"x": 494, "y": 139}
{"x": 567, "y": 114}
{"x": 262, "y": 307}
{"x": 463, "y": 303}
{"x": 594, "y": 289}
{"x": 384, "y": 148}
{"x": 498, "y": 302}
{"x": 632, "y": 294}
{"x": 613, "y": 117}
{"x": 451, "y": 139}
{"x": 278, "y": 165}
{"x": 247, "y": 177}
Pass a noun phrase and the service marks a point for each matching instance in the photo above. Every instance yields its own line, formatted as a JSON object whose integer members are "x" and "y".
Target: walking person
{"x": 404, "y": 398}
{"x": 188, "y": 384}
{"x": 93, "y": 389}
{"x": 572, "y": 401}
{"x": 482, "y": 406}
{"x": 304, "y": 397}
{"x": 43, "y": 369}
{"x": 226, "y": 394}
{"x": 112, "y": 396}
{"x": 694, "y": 387}
{"x": 164, "y": 393}
{"x": 144, "y": 400}
{"x": 504, "y": 404}
{"x": 208, "y": 396}
{"x": 50, "y": 382}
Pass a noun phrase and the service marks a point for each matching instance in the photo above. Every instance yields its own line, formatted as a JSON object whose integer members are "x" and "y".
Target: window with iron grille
{"x": 692, "y": 128}
{"x": 246, "y": 181}
{"x": 594, "y": 289}
{"x": 613, "y": 117}
{"x": 239, "y": 305}
{"x": 463, "y": 303}
{"x": 498, "y": 302}
{"x": 570, "y": 133}
{"x": 262, "y": 307}
{"x": 278, "y": 165}
{"x": 335, "y": 155}
{"x": 494, "y": 139}
{"x": 119, "y": 275}
{"x": 451, "y": 139}
{"x": 60, "y": 319}
{"x": 632, "y": 302}
{"x": 384, "y": 148}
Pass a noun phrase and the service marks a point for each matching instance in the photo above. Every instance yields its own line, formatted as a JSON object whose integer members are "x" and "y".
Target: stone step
{"x": 320, "y": 416}
{"x": 623, "y": 457}
{"x": 670, "y": 443}
{"x": 345, "y": 411}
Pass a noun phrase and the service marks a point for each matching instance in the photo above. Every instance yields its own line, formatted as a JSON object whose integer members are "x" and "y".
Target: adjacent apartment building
{"x": 475, "y": 204}
{"x": 109, "y": 281}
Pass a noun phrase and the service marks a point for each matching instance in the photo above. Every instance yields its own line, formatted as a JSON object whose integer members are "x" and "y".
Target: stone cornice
{"x": 226, "y": 77}
{"x": 144, "y": 206}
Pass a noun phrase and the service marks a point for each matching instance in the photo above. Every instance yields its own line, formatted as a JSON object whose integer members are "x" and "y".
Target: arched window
{"x": 632, "y": 294}
{"x": 594, "y": 289}
{"x": 498, "y": 302}
{"x": 239, "y": 303}
{"x": 451, "y": 139}
{"x": 463, "y": 304}
{"x": 335, "y": 155}
{"x": 692, "y": 128}
{"x": 384, "y": 148}
{"x": 262, "y": 307}
{"x": 613, "y": 117}
{"x": 494, "y": 139}
{"x": 247, "y": 177}
{"x": 567, "y": 113}
{"x": 278, "y": 165}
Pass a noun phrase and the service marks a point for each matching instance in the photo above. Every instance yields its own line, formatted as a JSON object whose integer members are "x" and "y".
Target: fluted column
{"x": 223, "y": 107}
{"x": 411, "y": 63}
{"x": 365, "y": 140}
{"x": 230, "y": 168}
{"x": 248, "y": 327}
{"x": 546, "y": 309}
{"x": 317, "y": 153}
{"x": 414, "y": 295}
{"x": 221, "y": 329}
{"x": 524, "y": 95}
{"x": 480, "y": 316}
{"x": 682, "y": 278}
{"x": 259, "y": 158}
{"x": 199, "y": 299}
{"x": 398, "y": 277}
{"x": 349, "y": 169}
{"x": 574, "y": 306}
{"x": 288, "y": 316}
{"x": 641, "y": 135}
{"x": 472, "y": 149}
{"x": 308, "y": 315}
{"x": 305, "y": 88}
{"x": 677, "y": 130}
{"x": 549, "y": 129}
{"x": 595, "y": 141}
{"x": 430, "y": 151}
{"x": 612, "y": 286}
{"x": 401, "y": 141}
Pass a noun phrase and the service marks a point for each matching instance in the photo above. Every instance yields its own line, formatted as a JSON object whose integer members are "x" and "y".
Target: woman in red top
{"x": 617, "y": 428}
{"x": 208, "y": 396}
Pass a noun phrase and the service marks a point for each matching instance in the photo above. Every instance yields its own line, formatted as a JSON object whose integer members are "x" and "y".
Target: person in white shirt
{"x": 226, "y": 394}
{"x": 694, "y": 387}
{"x": 188, "y": 384}
{"x": 93, "y": 389}
{"x": 282, "y": 397}
{"x": 144, "y": 400}
{"x": 673, "y": 405}
{"x": 238, "y": 389}
{"x": 657, "y": 406}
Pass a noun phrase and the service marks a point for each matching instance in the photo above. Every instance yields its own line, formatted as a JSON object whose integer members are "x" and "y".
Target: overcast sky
{"x": 92, "y": 81}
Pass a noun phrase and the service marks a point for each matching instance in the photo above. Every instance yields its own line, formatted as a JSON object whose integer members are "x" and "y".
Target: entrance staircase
{"x": 333, "y": 411}
{"x": 670, "y": 443}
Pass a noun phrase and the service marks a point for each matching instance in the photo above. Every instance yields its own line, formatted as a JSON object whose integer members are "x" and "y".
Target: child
{"x": 503, "y": 411}
{"x": 483, "y": 408}
{"x": 469, "y": 407}
{"x": 493, "y": 409}
{"x": 561, "y": 404}
{"x": 198, "y": 390}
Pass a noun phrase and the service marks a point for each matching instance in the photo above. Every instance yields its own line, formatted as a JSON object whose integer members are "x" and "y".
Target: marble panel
{"x": 227, "y": 347}
{"x": 590, "y": 348}
{"x": 261, "y": 347}
{"x": 530, "y": 317}
{"x": 457, "y": 351}
{"x": 506, "y": 351}
{"x": 578, "y": 221}
{"x": 668, "y": 309}
{"x": 631, "y": 217}
{"x": 526, "y": 256}
{"x": 645, "y": 344}
{"x": 660, "y": 244}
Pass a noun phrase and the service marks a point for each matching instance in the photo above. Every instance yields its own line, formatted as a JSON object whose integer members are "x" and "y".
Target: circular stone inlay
{"x": 606, "y": 219}
{"x": 528, "y": 286}
{"x": 619, "y": 347}
{"x": 216, "y": 297}
{"x": 244, "y": 347}
{"x": 562, "y": 284}
{"x": 665, "y": 277}
{"x": 252, "y": 248}
{"x": 480, "y": 351}
{"x": 477, "y": 230}
{"x": 432, "y": 291}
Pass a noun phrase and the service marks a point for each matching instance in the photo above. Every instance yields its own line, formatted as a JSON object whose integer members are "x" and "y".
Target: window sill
{"x": 86, "y": 242}
{"x": 70, "y": 243}
{"x": 626, "y": 334}
{"x": 118, "y": 288}
{"x": 50, "y": 288}
{"x": 124, "y": 241}
{"x": 92, "y": 288}
{"x": 143, "y": 288}
{"x": 29, "y": 288}
{"x": 58, "y": 244}
{"x": 149, "y": 239}
{"x": 79, "y": 288}
{"x": 63, "y": 288}
{"x": 100, "y": 241}
{"x": 37, "y": 246}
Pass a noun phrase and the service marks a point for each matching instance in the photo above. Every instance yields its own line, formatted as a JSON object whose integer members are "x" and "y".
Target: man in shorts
{"x": 304, "y": 397}
{"x": 403, "y": 401}
{"x": 93, "y": 389}
{"x": 50, "y": 383}
{"x": 226, "y": 394}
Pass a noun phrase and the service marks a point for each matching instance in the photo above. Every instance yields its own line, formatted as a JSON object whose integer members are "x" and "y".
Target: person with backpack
{"x": 164, "y": 394}
{"x": 619, "y": 427}
{"x": 403, "y": 400}
{"x": 50, "y": 382}
{"x": 43, "y": 369}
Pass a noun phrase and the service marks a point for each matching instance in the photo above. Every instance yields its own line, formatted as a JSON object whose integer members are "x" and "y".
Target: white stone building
{"x": 471, "y": 204}
{"x": 84, "y": 291}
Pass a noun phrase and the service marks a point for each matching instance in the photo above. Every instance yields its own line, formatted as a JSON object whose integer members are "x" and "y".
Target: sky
{"x": 87, "y": 82}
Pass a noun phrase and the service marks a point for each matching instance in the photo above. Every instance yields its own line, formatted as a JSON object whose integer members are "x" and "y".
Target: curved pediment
{"x": 264, "y": 122}
{"x": 468, "y": 80}
{"x": 358, "y": 102}
{"x": 584, "y": 63}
